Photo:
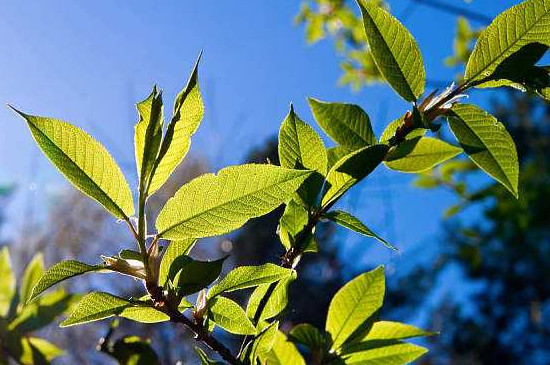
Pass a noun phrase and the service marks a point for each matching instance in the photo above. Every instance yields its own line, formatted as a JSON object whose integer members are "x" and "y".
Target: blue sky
{"x": 89, "y": 62}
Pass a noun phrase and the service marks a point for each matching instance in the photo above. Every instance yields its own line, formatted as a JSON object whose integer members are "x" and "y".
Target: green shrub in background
{"x": 20, "y": 316}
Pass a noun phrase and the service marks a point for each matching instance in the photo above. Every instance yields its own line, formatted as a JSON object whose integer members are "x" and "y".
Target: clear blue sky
{"x": 89, "y": 62}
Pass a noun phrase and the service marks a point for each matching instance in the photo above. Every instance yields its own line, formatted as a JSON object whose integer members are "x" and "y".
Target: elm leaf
{"x": 212, "y": 205}
{"x": 394, "y": 51}
{"x": 520, "y": 25}
{"x": 84, "y": 162}
{"x": 354, "y": 304}
{"x": 420, "y": 154}
{"x": 244, "y": 277}
{"x": 230, "y": 316}
{"x": 62, "y": 271}
{"x": 348, "y": 221}
{"x": 347, "y": 124}
{"x": 187, "y": 115}
{"x": 300, "y": 146}
{"x": 487, "y": 143}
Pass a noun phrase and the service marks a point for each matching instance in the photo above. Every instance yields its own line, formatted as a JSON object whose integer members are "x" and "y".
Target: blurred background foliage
{"x": 484, "y": 284}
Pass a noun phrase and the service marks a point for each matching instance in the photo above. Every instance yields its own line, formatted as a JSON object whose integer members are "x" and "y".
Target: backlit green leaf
{"x": 84, "y": 162}
{"x": 190, "y": 276}
{"x": 143, "y": 314}
{"x": 7, "y": 281}
{"x": 486, "y": 141}
{"x": 230, "y": 316}
{"x": 276, "y": 303}
{"x": 350, "y": 222}
{"x": 308, "y": 335}
{"x": 292, "y": 222}
{"x": 336, "y": 153}
{"x": 249, "y": 276}
{"x": 347, "y": 124}
{"x": 211, "y": 204}
{"x": 61, "y": 271}
{"x": 187, "y": 115}
{"x": 283, "y": 352}
{"x": 394, "y": 354}
{"x": 515, "y": 70}
{"x": 263, "y": 344}
{"x": 351, "y": 169}
{"x": 391, "y": 128}
{"x": 174, "y": 250}
{"x": 387, "y": 330}
{"x": 394, "y": 50}
{"x": 419, "y": 154}
{"x": 32, "y": 274}
{"x": 354, "y": 304}
{"x": 95, "y": 306}
{"x": 528, "y": 22}
{"x": 148, "y": 134}
{"x": 300, "y": 146}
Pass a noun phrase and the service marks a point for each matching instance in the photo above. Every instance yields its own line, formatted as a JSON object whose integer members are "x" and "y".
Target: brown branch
{"x": 199, "y": 331}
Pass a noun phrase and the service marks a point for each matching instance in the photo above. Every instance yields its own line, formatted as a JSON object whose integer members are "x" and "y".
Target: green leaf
{"x": 190, "y": 276}
{"x": 300, "y": 146}
{"x": 249, "y": 276}
{"x": 143, "y": 314}
{"x": 174, "y": 250}
{"x": 336, "y": 153}
{"x": 263, "y": 344}
{"x": 354, "y": 304}
{"x": 7, "y": 281}
{"x": 230, "y": 316}
{"x": 84, "y": 162}
{"x": 394, "y": 50}
{"x": 387, "y": 330}
{"x": 61, "y": 271}
{"x": 187, "y": 115}
{"x": 41, "y": 312}
{"x": 133, "y": 350}
{"x": 420, "y": 154}
{"x": 275, "y": 304}
{"x": 522, "y": 24}
{"x": 391, "y": 128}
{"x": 204, "y": 358}
{"x": 31, "y": 345}
{"x": 283, "y": 352}
{"x": 487, "y": 143}
{"x": 292, "y": 222}
{"x": 350, "y": 222}
{"x": 351, "y": 169}
{"x": 148, "y": 134}
{"x": 95, "y": 306}
{"x": 347, "y": 124}
{"x": 130, "y": 255}
{"x": 309, "y": 336}
{"x": 516, "y": 70}
{"x": 212, "y": 205}
{"x": 32, "y": 274}
{"x": 393, "y": 354}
